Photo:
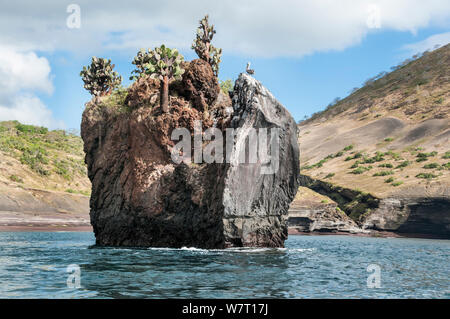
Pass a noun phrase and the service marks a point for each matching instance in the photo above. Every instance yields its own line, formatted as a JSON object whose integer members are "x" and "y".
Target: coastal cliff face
{"x": 412, "y": 215}
{"x": 420, "y": 211}
{"x": 140, "y": 197}
{"x": 311, "y": 212}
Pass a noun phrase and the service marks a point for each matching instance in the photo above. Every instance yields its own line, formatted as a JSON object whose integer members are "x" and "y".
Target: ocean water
{"x": 34, "y": 265}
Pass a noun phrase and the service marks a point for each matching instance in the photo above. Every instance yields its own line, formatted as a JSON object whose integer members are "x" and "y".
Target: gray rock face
{"x": 257, "y": 196}
{"x": 412, "y": 215}
{"x": 141, "y": 198}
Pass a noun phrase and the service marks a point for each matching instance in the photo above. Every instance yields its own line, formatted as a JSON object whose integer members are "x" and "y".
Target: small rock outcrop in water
{"x": 421, "y": 211}
{"x": 141, "y": 198}
{"x": 310, "y": 212}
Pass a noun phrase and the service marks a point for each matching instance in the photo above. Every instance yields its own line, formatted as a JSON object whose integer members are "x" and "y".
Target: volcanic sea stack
{"x": 141, "y": 198}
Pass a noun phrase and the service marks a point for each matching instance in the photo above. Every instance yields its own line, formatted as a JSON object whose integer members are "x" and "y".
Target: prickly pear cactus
{"x": 159, "y": 63}
{"x": 215, "y": 59}
{"x": 203, "y": 47}
{"x": 99, "y": 78}
{"x": 141, "y": 59}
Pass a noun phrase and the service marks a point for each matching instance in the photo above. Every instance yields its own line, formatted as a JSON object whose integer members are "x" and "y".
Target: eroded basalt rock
{"x": 308, "y": 214}
{"x": 143, "y": 92}
{"x": 419, "y": 211}
{"x": 200, "y": 84}
{"x": 141, "y": 198}
{"x": 412, "y": 215}
{"x": 256, "y": 204}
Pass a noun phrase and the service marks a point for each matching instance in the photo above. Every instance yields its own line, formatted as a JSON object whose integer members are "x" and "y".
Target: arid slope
{"x": 390, "y": 137}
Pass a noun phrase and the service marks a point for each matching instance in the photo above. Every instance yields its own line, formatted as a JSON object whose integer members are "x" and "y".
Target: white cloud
{"x": 22, "y": 75}
{"x": 250, "y": 27}
{"x": 23, "y": 71}
{"x": 428, "y": 44}
{"x": 29, "y": 109}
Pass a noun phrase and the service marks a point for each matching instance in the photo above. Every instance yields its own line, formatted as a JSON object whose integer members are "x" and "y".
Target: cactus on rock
{"x": 161, "y": 63}
{"x": 203, "y": 47}
{"x": 141, "y": 59}
{"x": 99, "y": 78}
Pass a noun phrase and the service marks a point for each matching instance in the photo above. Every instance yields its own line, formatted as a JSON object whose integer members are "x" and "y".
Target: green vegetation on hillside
{"x": 426, "y": 175}
{"x": 383, "y": 173}
{"x": 44, "y": 152}
{"x": 329, "y": 157}
{"x": 421, "y": 157}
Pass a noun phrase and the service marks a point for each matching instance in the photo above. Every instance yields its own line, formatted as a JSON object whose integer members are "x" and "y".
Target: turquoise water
{"x": 33, "y": 265}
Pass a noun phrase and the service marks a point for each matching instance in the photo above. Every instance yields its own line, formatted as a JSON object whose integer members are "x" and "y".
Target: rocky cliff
{"x": 311, "y": 212}
{"x": 413, "y": 212}
{"x": 140, "y": 197}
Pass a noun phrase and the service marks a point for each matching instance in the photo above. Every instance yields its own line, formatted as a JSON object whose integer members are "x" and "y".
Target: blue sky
{"x": 304, "y": 85}
{"x": 305, "y": 64}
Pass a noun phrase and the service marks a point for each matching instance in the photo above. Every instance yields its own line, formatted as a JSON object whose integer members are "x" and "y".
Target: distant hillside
{"x": 43, "y": 181}
{"x": 34, "y": 157}
{"x": 417, "y": 90}
{"x": 390, "y": 139}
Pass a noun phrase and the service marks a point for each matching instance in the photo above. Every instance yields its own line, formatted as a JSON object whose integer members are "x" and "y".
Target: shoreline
{"x": 51, "y": 221}
{"x": 88, "y": 228}
{"x": 46, "y": 228}
{"x": 372, "y": 233}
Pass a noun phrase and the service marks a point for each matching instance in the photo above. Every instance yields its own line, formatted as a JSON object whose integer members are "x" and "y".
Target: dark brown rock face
{"x": 200, "y": 84}
{"x": 143, "y": 92}
{"x": 141, "y": 198}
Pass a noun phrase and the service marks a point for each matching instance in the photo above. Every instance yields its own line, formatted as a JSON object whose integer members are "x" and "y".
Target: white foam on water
{"x": 193, "y": 249}
{"x": 228, "y": 250}
{"x": 162, "y": 248}
{"x": 251, "y": 249}
{"x": 301, "y": 250}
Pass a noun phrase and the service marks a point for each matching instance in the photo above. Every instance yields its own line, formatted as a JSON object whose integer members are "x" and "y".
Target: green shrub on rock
{"x": 226, "y": 86}
{"x": 141, "y": 59}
